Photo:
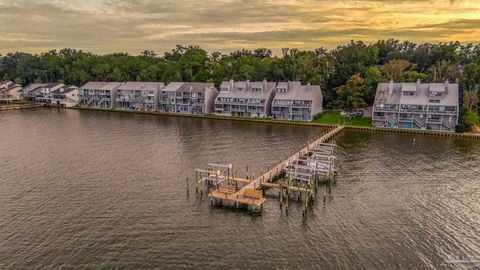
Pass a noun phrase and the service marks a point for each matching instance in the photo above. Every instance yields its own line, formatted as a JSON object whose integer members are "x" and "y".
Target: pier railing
{"x": 242, "y": 197}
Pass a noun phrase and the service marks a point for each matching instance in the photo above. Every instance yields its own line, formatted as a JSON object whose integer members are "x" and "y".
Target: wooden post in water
{"x": 288, "y": 196}
{"x": 325, "y": 195}
{"x": 281, "y": 194}
{"x": 188, "y": 193}
{"x": 196, "y": 183}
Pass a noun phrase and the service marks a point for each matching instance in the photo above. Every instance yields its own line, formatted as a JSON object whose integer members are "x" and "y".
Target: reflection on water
{"x": 96, "y": 189}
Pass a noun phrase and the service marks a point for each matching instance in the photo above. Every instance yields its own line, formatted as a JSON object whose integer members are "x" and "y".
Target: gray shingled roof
{"x": 11, "y": 87}
{"x": 195, "y": 87}
{"x": 421, "y": 96}
{"x": 172, "y": 87}
{"x": 69, "y": 88}
{"x": 187, "y": 87}
{"x": 35, "y": 86}
{"x": 100, "y": 86}
{"x": 8, "y": 85}
{"x": 50, "y": 85}
{"x": 298, "y": 92}
{"x": 147, "y": 86}
{"x": 248, "y": 93}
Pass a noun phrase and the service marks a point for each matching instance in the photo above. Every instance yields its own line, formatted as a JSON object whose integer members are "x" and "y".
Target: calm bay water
{"x": 107, "y": 190}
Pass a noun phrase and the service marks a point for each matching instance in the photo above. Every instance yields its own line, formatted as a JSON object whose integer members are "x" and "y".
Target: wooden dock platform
{"x": 247, "y": 198}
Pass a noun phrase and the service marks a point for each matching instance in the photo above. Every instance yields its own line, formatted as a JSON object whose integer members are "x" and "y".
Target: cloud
{"x": 105, "y": 26}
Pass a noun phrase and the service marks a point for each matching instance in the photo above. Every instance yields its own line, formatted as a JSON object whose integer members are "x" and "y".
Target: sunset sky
{"x": 105, "y": 26}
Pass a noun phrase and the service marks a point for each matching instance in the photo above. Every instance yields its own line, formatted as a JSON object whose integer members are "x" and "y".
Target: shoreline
{"x": 292, "y": 123}
{"x": 20, "y": 107}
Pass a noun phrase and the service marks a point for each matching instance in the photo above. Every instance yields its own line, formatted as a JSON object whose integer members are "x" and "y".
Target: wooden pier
{"x": 250, "y": 196}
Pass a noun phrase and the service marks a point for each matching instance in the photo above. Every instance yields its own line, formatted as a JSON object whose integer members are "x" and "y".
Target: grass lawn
{"x": 334, "y": 118}
{"x": 19, "y": 102}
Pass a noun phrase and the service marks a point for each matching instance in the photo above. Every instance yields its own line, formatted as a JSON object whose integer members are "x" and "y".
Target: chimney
{"x": 247, "y": 85}
{"x": 390, "y": 88}
{"x": 447, "y": 84}
{"x": 289, "y": 85}
{"x": 264, "y": 84}
{"x": 417, "y": 89}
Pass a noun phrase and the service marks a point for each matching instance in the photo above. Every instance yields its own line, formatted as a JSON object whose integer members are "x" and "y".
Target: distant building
{"x": 294, "y": 101}
{"x": 67, "y": 96}
{"x": 427, "y": 106}
{"x": 138, "y": 96}
{"x": 31, "y": 91}
{"x": 188, "y": 98}
{"x": 44, "y": 93}
{"x": 53, "y": 94}
{"x": 245, "y": 99}
{"x": 10, "y": 91}
{"x": 99, "y": 94}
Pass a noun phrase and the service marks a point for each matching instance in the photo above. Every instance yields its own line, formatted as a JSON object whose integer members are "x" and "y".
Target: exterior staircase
{"x": 391, "y": 121}
{"x": 307, "y": 116}
{"x": 447, "y": 125}
{"x": 419, "y": 123}
{"x": 104, "y": 100}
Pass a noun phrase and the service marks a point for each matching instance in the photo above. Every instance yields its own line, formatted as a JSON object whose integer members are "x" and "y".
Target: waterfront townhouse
{"x": 294, "y": 101}
{"x": 98, "y": 94}
{"x": 10, "y": 91}
{"x": 31, "y": 91}
{"x": 138, "y": 96}
{"x": 67, "y": 96}
{"x": 44, "y": 93}
{"x": 426, "y": 106}
{"x": 188, "y": 98}
{"x": 245, "y": 99}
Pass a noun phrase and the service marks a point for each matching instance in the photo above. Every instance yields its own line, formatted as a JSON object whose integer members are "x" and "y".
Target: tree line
{"x": 347, "y": 74}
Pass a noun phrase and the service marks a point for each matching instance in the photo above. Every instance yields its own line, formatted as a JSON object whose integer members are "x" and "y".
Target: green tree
{"x": 371, "y": 78}
{"x": 468, "y": 120}
{"x": 443, "y": 71}
{"x": 470, "y": 100}
{"x": 397, "y": 70}
{"x": 350, "y": 96}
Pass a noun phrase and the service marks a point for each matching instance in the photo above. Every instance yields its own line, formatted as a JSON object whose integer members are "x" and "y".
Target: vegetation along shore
{"x": 348, "y": 74}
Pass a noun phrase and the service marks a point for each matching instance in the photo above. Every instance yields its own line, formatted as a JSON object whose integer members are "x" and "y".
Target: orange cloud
{"x": 105, "y": 26}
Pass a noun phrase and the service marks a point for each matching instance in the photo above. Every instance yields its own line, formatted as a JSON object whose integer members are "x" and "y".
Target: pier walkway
{"x": 249, "y": 195}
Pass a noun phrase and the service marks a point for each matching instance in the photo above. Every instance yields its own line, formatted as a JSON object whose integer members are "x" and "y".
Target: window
{"x": 434, "y": 101}
{"x": 408, "y": 93}
{"x": 436, "y": 94}
{"x": 194, "y": 95}
{"x": 281, "y": 90}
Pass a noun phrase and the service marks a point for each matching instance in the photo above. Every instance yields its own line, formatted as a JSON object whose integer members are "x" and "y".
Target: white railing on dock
{"x": 266, "y": 177}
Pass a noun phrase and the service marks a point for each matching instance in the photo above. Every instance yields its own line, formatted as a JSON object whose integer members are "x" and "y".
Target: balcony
{"x": 379, "y": 119}
{"x": 299, "y": 112}
{"x": 405, "y": 119}
{"x": 239, "y": 103}
{"x": 434, "y": 121}
{"x": 441, "y": 112}
{"x": 386, "y": 109}
{"x": 233, "y": 109}
{"x": 411, "y": 110}
{"x": 301, "y": 105}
